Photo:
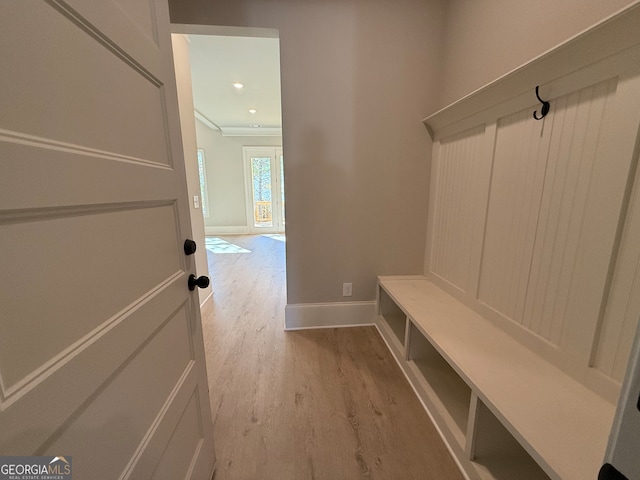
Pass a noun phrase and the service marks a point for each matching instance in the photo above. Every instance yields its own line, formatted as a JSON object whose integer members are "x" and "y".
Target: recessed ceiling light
{"x": 253, "y": 110}
{"x": 238, "y": 85}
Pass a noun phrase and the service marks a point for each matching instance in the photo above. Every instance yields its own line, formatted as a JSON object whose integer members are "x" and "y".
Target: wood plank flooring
{"x": 327, "y": 404}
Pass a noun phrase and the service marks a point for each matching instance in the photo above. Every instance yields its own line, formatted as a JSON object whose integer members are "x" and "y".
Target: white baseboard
{"x": 206, "y": 299}
{"x": 233, "y": 230}
{"x": 328, "y": 315}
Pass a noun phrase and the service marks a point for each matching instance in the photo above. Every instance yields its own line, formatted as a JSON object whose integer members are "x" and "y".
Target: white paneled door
{"x": 101, "y": 350}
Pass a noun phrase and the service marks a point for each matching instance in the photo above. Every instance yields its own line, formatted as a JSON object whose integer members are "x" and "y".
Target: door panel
{"x": 187, "y": 435}
{"x": 89, "y": 263}
{"x": 89, "y": 105}
{"x": 101, "y": 353}
{"x": 141, "y": 13}
{"x": 145, "y": 380}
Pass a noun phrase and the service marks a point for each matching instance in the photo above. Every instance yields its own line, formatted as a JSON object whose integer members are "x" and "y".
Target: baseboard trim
{"x": 233, "y": 230}
{"x": 329, "y": 315}
{"x": 206, "y": 299}
{"x": 206, "y": 307}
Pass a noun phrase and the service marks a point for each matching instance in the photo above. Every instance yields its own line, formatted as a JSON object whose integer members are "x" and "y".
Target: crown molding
{"x": 251, "y": 131}
{"x": 206, "y": 121}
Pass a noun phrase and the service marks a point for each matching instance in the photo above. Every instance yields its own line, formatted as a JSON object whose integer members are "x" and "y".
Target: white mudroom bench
{"x": 504, "y": 411}
{"x": 518, "y": 336}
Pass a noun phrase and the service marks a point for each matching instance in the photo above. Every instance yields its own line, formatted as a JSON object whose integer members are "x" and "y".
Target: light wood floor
{"x": 324, "y": 404}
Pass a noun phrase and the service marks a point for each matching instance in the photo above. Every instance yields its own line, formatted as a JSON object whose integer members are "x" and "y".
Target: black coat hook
{"x": 545, "y": 107}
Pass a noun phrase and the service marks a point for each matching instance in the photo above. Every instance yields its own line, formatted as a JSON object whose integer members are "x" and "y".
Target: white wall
{"x": 357, "y": 79}
{"x": 187, "y": 125}
{"x": 485, "y": 39}
{"x": 225, "y": 177}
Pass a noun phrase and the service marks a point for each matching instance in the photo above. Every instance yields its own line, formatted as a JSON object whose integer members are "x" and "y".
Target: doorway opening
{"x": 236, "y": 89}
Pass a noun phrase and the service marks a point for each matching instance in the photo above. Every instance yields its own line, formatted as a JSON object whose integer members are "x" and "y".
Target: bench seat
{"x": 461, "y": 364}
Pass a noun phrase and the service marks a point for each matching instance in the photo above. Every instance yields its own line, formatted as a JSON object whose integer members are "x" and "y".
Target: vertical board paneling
{"x": 516, "y": 188}
{"x": 458, "y": 187}
{"x": 623, "y": 308}
{"x": 540, "y": 190}
{"x": 551, "y": 250}
{"x": 574, "y": 138}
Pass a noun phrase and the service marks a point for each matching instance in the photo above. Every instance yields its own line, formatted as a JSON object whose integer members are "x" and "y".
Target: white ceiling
{"x": 217, "y": 62}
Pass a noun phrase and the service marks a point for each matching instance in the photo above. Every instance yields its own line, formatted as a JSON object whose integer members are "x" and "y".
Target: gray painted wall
{"x": 485, "y": 39}
{"x": 357, "y": 79}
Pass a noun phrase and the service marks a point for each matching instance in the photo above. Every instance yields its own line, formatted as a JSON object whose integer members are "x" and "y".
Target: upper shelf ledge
{"x": 609, "y": 36}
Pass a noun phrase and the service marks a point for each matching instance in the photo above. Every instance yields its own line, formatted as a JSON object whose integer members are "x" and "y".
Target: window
{"x": 202, "y": 174}
{"x": 264, "y": 189}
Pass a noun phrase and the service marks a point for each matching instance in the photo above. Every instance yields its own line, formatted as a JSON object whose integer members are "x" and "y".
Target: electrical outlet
{"x": 196, "y": 201}
{"x": 347, "y": 289}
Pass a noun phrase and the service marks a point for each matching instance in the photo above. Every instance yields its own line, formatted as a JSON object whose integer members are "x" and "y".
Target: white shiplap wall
{"x": 623, "y": 306}
{"x": 516, "y": 184}
{"x": 533, "y": 222}
{"x": 457, "y": 169}
{"x": 540, "y": 188}
{"x": 568, "y": 189}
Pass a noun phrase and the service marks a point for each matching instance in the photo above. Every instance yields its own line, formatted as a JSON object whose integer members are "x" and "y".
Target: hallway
{"x": 319, "y": 404}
